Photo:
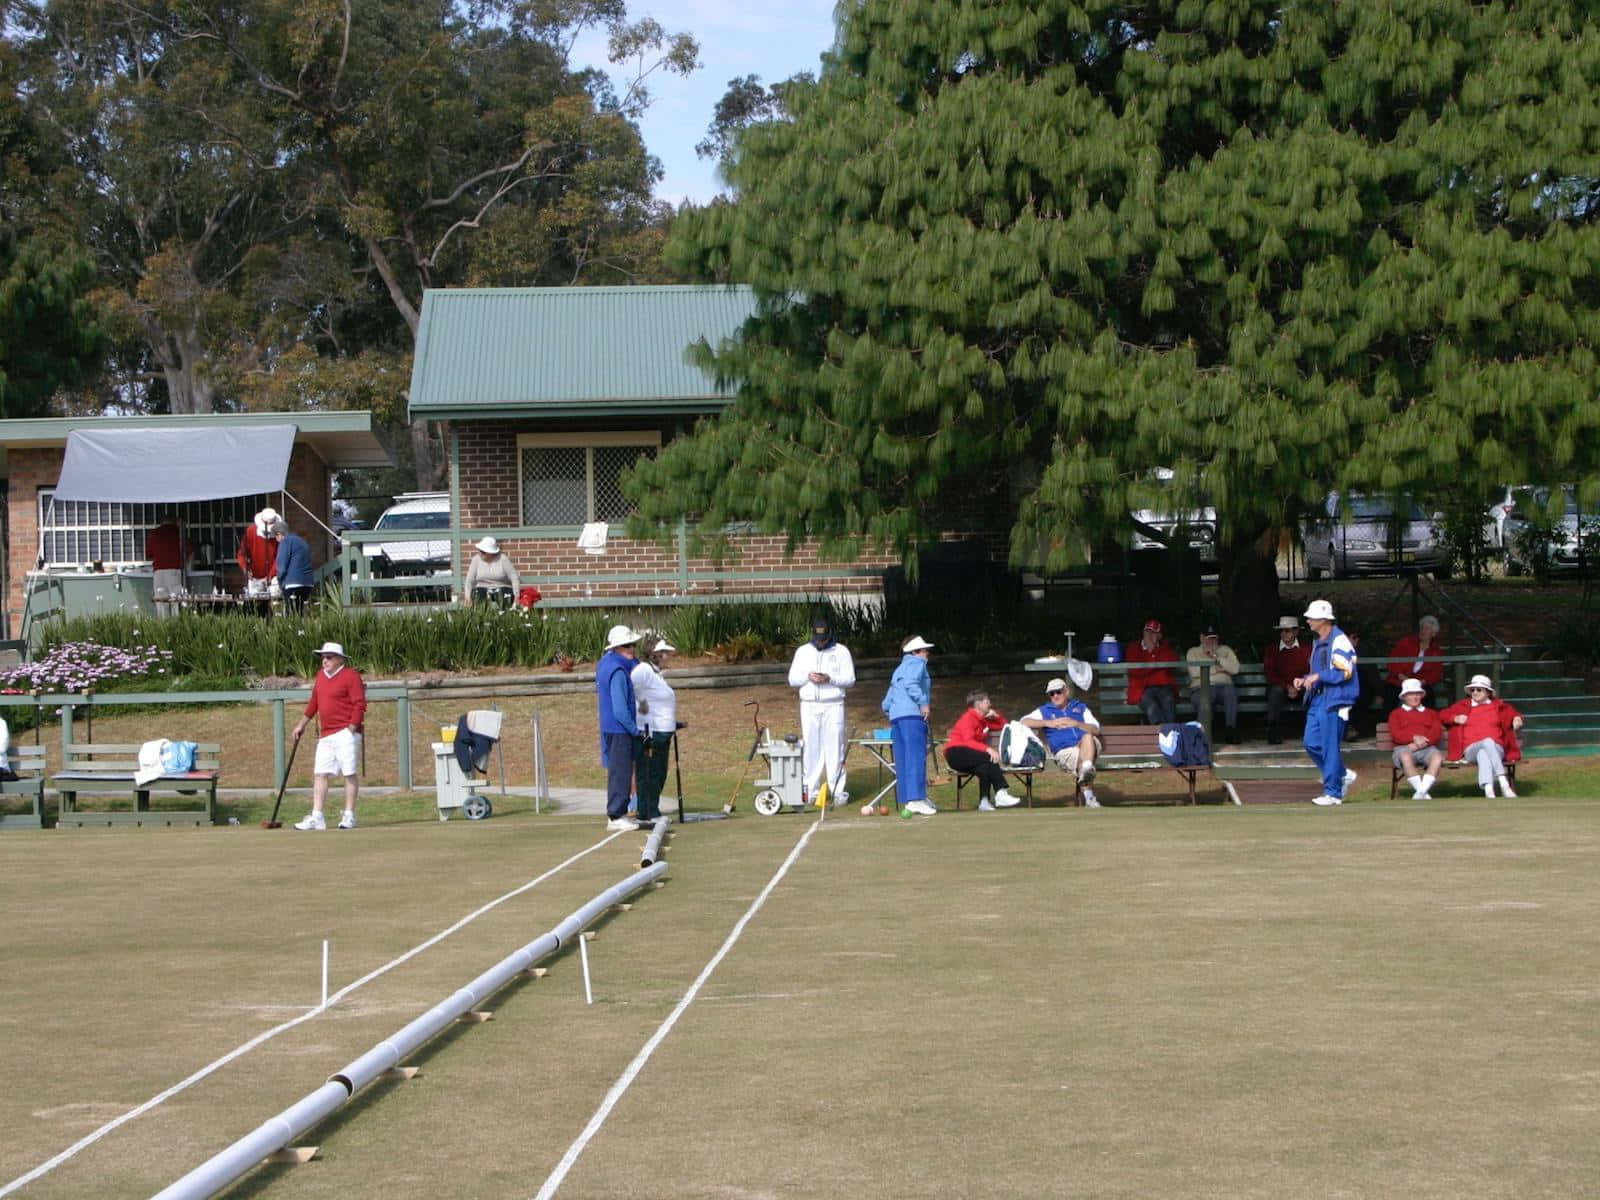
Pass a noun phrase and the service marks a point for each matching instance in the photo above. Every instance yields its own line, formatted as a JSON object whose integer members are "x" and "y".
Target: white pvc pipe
{"x": 222, "y": 1169}
{"x": 652, "y": 846}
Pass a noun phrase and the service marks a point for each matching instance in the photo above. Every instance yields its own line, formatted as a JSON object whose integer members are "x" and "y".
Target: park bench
{"x": 107, "y": 769}
{"x": 1112, "y": 691}
{"x": 1134, "y": 748}
{"x": 1386, "y": 747}
{"x": 1022, "y": 775}
{"x": 28, "y": 764}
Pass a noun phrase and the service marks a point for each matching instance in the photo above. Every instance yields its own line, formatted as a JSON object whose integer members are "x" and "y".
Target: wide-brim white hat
{"x": 1482, "y": 681}
{"x": 1413, "y": 685}
{"x": 1080, "y": 672}
{"x": 1288, "y": 622}
{"x": 331, "y": 648}
{"x": 621, "y": 635}
{"x": 488, "y": 545}
{"x": 662, "y": 644}
{"x": 916, "y": 643}
{"x": 1319, "y": 610}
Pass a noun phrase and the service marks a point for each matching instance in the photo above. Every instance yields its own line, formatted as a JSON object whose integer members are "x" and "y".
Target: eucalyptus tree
{"x": 1014, "y": 257}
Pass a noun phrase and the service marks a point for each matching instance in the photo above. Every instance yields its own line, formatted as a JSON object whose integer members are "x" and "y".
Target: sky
{"x": 770, "y": 38}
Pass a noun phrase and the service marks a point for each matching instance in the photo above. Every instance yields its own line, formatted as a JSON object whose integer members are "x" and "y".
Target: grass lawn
{"x": 1381, "y": 1000}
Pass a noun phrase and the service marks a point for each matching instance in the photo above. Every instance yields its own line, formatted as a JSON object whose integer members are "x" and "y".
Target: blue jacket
{"x": 1333, "y": 662}
{"x": 910, "y": 687}
{"x": 1062, "y": 739}
{"x": 294, "y": 562}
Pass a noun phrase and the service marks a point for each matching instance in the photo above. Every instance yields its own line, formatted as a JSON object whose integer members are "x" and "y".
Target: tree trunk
{"x": 1247, "y": 581}
{"x": 425, "y": 459}
{"x": 182, "y": 360}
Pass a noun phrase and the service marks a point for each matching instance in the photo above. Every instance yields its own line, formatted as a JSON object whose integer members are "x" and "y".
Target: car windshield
{"x": 1367, "y": 508}
{"x": 414, "y": 520}
{"x": 1540, "y": 497}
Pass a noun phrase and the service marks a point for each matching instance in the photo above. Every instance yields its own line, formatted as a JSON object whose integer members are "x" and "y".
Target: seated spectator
{"x": 1363, "y": 714}
{"x": 1418, "y": 738}
{"x": 1283, "y": 664}
{"x": 490, "y": 575}
{"x": 968, "y": 752}
{"x": 1224, "y": 693}
{"x": 1069, "y": 730}
{"x": 1421, "y": 652}
{"x": 1153, "y": 690}
{"x": 1483, "y": 730}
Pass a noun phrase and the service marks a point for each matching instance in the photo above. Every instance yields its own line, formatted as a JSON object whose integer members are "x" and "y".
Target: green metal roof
{"x": 571, "y": 351}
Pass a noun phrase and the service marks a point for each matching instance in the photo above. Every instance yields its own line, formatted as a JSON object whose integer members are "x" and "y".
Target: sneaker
{"x": 921, "y": 808}
{"x": 348, "y": 821}
{"x": 621, "y": 825}
{"x": 1004, "y": 799}
{"x": 1089, "y": 800}
{"x": 1327, "y": 800}
{"x": 1424, "y": 794}
{"x": 1086, "y": 773}
{"x": 311, "y": 820}
{"x": 1505, "y": 787}
{"x": 1349, "y": 777}
{"x": 985, "y": 806}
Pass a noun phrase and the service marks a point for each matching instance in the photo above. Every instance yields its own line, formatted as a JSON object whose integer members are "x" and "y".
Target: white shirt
{"x": 834, "y": 662}
{"x": 656, "y": 702}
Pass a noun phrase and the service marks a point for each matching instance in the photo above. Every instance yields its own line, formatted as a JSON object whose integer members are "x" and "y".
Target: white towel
{"x": 593, "y": 538}
{"x": 150, "y": 761}
{"x": 485, "y": 722}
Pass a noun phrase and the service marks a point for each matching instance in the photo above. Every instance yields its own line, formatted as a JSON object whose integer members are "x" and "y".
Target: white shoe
{"x": 1089, "y": 800}
{"x": 1424, "y": 794}
{"x": 348, "y": 821}
{"x": 1505, "y": 787}
{"x": 1349, "y": 777}
{"x": 984, "y": 805}
{"x": 1488, "y": 791}
{"x": 843, "y": 797}
{"x": 1004, "y": 799}
{"x": 921, "y": 808}
{"x": 1327, "y": 800}
{"x": 622, "y": 825}
{"x": 311, "y": 820}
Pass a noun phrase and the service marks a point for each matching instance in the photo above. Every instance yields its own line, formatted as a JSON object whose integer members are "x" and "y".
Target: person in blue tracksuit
{"x": 619, "y": 727}
{"x": 1331, "y": 687}
{"x": 906, "y": 703}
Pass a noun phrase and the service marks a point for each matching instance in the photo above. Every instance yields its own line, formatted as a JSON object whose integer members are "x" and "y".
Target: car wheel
{"x": 1339, "y": 570}
{"x": 1312, "y": 572}
{"x": 1513, "y": 567}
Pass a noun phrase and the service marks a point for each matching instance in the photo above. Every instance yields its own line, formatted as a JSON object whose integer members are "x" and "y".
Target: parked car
{"x": 1357, "y": 534}
{"x": 1528, "y": 524}
{"x": 1196, "y": 526}
{"x": 412, "y": 512}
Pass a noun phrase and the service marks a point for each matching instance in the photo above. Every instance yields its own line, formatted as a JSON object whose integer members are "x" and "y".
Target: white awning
{"x": 156, "y": 466}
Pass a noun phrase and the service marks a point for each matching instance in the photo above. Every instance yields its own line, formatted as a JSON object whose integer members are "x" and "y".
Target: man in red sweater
{"x": 1284, "y": 662}
{"x": 1153, "y": 690}
{"x": 1417, "y": 733}
{"x": 339, "y": 700}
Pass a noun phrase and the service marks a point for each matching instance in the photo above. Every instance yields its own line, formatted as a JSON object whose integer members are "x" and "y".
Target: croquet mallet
{"x": 272, "y": 822}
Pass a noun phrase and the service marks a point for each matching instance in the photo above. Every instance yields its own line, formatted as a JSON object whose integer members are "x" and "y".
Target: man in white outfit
{"x": 823, "y": 671}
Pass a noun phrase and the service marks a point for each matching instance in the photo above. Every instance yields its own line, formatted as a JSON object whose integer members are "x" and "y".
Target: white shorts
{"x": 338, "y": 753}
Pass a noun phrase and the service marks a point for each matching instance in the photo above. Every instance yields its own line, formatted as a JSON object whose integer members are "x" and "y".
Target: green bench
{"x": 29, "y": 765}
{"x": 107, "y": 769}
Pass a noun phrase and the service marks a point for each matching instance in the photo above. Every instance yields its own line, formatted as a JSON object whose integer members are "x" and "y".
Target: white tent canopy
{"x": 170, "y": 466}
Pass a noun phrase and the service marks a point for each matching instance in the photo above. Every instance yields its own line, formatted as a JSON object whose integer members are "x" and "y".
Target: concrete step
{"x": 1575, "y": 750}
{"x": 1527, "y": 668}
{"x": 1543, "y": 686}
{"x": 1584, "y": 705}
{"x": 1563, "y": 735}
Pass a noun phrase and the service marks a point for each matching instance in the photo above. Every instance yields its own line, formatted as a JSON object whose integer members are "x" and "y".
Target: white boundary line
{"x": 89, "y": 1139}
{"x": 625, "y": 1080}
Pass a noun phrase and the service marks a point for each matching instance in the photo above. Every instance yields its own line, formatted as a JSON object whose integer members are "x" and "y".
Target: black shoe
{"x": 1231, "y": 737}
{"x": 1274, "y": 738}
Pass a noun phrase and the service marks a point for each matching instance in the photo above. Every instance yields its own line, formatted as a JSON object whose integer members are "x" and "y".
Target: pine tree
{"x": 1026, "y": 253}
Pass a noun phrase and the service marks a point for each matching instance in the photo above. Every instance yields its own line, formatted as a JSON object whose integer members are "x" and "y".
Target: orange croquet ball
{"x": 883, "y": 810}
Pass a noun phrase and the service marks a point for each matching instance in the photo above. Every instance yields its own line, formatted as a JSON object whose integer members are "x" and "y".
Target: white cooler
{"x": 454, "y": 789}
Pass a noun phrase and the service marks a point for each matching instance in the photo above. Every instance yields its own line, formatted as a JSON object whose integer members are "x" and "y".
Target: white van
{"x": 412, "y": 512}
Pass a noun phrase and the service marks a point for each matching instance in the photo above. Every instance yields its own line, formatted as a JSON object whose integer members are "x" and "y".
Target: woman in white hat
{"x": 656, "y": 705}
{"x": 490, "y": 575}
{"x": 1418, "y": 733}
{"x": 1483, "y": 730}
{"x": 906, "y": 704}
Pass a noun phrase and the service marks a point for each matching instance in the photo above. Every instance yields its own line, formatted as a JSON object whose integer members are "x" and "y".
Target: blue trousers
{"x": 1324, "y": 736}
{"x": 909, "y": 736}
{"x": 620, "y": 749}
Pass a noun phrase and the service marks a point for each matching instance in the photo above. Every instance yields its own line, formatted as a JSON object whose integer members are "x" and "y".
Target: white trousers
{"x": 822, "y": 731}
{"x": 1491, "y": 760}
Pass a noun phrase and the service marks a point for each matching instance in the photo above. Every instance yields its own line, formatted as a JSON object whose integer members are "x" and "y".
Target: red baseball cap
{"x": 1152, "y": 626}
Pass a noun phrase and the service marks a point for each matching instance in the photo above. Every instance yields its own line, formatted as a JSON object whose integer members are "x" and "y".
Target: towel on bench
{"x": 150, "y": 756}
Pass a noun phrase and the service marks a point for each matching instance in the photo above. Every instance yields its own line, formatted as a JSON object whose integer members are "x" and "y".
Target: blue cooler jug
{"x": 1110, "y": 651}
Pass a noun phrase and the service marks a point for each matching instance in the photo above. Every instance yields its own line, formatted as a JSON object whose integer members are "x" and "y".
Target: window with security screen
{"x": 574, "y": 478}
{"x": 80, "y": 532}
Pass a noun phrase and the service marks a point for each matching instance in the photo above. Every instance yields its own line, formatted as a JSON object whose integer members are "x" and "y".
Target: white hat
{"x": 662, "y": 644}
{"x": 1319, "y": 610}
{"x": 1288, "y": 622}
{"x": 1055, "y": 685}
{"x": 1482, "y": 681}
{"x": 267, "y": 516}
{"x": 488, "y": 545}
{"x": 1413, "y": 686}
{"x": 916, "y": 643}
{"x": 1081, "y": 673}
{"x": 621, "y": 635}
{"x": 332, "y": 648}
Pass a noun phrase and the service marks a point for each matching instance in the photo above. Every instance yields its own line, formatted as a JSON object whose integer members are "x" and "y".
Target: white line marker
{"x": 625, "y": 1080}
{"x": 324, "y": 1003}
{"x": 90, "y": 1139}
{"x": 583, "y": 953}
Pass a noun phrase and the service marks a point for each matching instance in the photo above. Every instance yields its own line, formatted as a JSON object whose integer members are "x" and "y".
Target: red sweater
{"x": 1491, "y": 720}
{"x": 1407, "y": 723}
{"x": 972, "y": 731}
{"x": 164, "y": 548}
{"x": 1283, "y": 665}
{"x": 258, "y": 556}
{"x": 1408, "y": 648}
{"x": 340, "y": 700}
{"x": 1148, "y": 677}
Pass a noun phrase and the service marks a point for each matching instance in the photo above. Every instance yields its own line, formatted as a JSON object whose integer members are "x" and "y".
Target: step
{"x": 1563, "y": 686}
{"x": 1563, "y": 735}
{"x": 1585, "y": 704}
{"x": 1575, "y": 750}
{"x": 1526, "y": 668}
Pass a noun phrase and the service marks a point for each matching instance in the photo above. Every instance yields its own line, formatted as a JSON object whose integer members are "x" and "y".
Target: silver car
{"x": 1524, "y": 544}
{"x": 1356, "y": 534}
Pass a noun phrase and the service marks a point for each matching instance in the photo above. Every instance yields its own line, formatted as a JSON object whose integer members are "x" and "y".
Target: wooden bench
{"x": 106, "y": 769}
{"x": 29, "y": 765}
{"x": 1386, "y": 747}
{"x": 1135, "y": 748}
{"x": 1111, "y": 692}
{"x": 1023, "y": 775}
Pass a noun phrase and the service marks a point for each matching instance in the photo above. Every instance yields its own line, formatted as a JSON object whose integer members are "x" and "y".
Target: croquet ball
{"x": 866, "y": 810}
{"x": 906, "y": 814}
{"x": 883, "y": 811}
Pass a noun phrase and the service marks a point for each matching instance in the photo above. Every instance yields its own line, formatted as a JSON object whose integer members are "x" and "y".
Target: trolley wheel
{"x": 768, "y": 802}
{"x": 477, "y": 807}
